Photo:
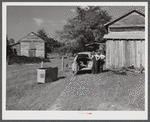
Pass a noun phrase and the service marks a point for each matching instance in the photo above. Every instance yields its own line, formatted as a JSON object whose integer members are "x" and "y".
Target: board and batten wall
{"x": 121, "y": 53}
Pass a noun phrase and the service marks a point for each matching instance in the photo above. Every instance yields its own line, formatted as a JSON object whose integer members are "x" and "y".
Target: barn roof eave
{"x": 108, "y": 39}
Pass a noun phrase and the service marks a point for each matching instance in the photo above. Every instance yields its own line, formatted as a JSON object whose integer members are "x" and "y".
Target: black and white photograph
{"x": 75, "y": 60}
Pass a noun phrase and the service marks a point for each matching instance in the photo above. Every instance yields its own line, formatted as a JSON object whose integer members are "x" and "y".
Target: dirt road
{"x": 100, "y": 92}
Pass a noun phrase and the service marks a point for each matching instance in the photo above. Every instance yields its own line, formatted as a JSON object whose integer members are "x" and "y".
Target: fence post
{"x": 42, "y": 64}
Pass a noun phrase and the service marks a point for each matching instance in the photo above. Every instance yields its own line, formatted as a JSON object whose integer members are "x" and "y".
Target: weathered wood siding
{"x": 31, "y": 45}
{"x": 121, "y": 53}
{"x": 39, "y": 46}
{"x": 40, "y": 49}
{"x": 24, "y": 48}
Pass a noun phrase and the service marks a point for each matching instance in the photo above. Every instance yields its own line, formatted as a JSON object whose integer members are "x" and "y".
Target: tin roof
{"x": 125, "y": 35}
{"x": 123, "y": 16}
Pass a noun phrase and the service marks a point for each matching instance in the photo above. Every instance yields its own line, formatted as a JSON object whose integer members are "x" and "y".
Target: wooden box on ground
{"x": 54, "y": 73}
{"x": 45, "y": 75}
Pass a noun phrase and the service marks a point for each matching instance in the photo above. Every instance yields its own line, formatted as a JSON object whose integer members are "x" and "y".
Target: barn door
{"x": 32, "y": 53}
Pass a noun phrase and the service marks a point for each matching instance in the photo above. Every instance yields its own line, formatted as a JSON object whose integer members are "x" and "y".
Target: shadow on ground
{"x": 89, "y": 72}
{"x": 61, "y": 77}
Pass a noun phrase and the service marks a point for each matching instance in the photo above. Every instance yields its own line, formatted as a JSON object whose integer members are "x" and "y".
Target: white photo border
{"x": 71, "y": 115}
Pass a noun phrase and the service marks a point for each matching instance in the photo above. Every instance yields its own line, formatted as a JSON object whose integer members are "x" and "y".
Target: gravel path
{"x": 96, "y": 92}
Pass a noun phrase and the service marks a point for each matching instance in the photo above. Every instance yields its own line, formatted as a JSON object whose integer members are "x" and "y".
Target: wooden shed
{"x": 15, "y": 48}
{"x": 125, "y": 45}
{"x": 31, "y": 46}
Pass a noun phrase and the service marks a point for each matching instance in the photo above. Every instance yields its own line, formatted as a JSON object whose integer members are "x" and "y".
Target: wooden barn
{"x": 125, "y": 45}
{"x": 31, "y": 46}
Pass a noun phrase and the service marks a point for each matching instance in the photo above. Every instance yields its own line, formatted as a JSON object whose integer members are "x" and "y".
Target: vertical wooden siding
{"x": 121, "y": 53}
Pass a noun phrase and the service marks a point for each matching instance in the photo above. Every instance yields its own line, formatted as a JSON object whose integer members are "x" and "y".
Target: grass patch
{"x": 24, "y": 93}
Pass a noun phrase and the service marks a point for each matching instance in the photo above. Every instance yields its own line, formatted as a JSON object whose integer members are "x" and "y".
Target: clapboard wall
{"x": 121, "y": 53}
{"x": 38, "y": 46}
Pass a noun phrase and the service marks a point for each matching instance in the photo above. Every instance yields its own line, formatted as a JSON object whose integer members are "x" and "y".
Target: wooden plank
{"x": 117, "y": 53}
{"x": 140, "y": 50}
{"x": 118, "y": 50}
{"x": 127, "y": 53}
{"x": 122, "y": 53}
{"x": 110, "y": 56}
{"x": 131, "y": 50}
{"x": 137, "y": 54}
{"x": 113, "y": 53}
{"x": 107, "y": 54}
{"x": 143, "y": 53}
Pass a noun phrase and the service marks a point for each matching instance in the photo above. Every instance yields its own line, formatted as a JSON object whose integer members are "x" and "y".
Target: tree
{"x": 11, "y": 41}
{"x": 42, "y": 34}
{"x": 51, "y": 43}
{"x": 87, "y": 26}
{"x": 9, "y": 49}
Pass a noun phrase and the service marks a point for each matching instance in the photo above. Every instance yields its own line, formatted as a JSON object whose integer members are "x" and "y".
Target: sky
{"x": 21, "y": 20}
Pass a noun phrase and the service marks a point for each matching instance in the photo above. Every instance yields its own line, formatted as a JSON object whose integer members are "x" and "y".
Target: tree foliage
{"x": 42, "y": 34}
{"x": 9, "y": 42}
{"x": 52, "y": 44}
{"x": 86, "y": 27}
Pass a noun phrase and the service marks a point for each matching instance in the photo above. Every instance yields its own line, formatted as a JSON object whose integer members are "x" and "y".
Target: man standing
{"x": 94, "y": 62}
{"x": 95, "y": 67}
{"x": 101, "y": 61}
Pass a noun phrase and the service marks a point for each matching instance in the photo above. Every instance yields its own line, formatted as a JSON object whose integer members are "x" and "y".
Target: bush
{"x": 25, "y": 60}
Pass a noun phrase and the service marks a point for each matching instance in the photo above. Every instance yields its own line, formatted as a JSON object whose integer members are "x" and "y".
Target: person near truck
{"x": 95, "y": 67}
{"x": 101, "y": 61}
